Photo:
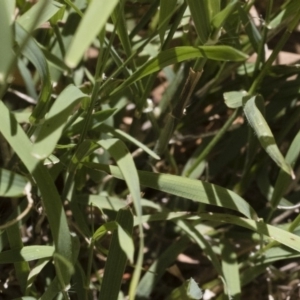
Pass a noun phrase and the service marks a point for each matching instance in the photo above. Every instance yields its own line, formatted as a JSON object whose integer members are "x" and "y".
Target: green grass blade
{"x": 6, "y": 38}
{"x": 27, "y": 253}
{"x": 39, "y": 13}
{"x": 263, "y": 132}
{"x": 230, "y": 270}
{"x": 201, "y": 17}
{"x": 34, "y": 54}
{"x": 273, "y": 233}
{"x": 220, "y": 18}
{"x": 192, "y": 189}
{"x": 119, "y": 152}
{"x": 179, "y": 54}
{"x": 91, "y": 24}
{"x": 11, "y": 184}
{"x": 19, "y": 141}
{"x": 54, "y": 123}
{"x": 117, "y": 259}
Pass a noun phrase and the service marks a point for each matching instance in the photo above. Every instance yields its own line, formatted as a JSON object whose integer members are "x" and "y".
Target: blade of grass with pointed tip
{"x": 6, "y": 38}
{"x": 179, "y": 54}
{"x": 116, "y": 260}
{"x": 263, "y": 132}
{"x": 34, "y": 54}
{"x": 11, "y": 184}
{"x": 54, "y": 123}
{"x": 92, "y": 23}
{"x": 220, "y": 18}
{"x": 192, "y": 189}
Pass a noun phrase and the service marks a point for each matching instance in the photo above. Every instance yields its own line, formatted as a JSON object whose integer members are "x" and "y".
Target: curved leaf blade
{"x": 264, "y": 133}
{"x": 179, "y": 54}
{"x": 186, "y": 188}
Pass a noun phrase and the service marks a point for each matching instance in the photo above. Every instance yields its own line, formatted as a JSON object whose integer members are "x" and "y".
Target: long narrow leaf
{"x": 196, "y": 190}
{"x": 179, "y": 54}
{"x": 92, "y": 23}
{"x": 264, "y": 133}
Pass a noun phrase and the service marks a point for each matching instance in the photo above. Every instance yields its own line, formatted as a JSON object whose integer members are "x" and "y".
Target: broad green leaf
{"x": 179, "y": 54}
{"x": 189, "y": 290}
{"x": 11, "y": 184}
{"x": 39, "y": 13}
{"x": 34, "y": 54}
{"x": 234, "y": 99}
{"x": 116, "y": 260}
{"x": 263, "y": 132}
{"x": 201, "y": 16}
{"x": 52, "y": 128}
{"x": 192, "y": 189}
{"x": 27, "y": 253}
{"x": 6, "y": 39}
{"x": 91, "y": 24}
